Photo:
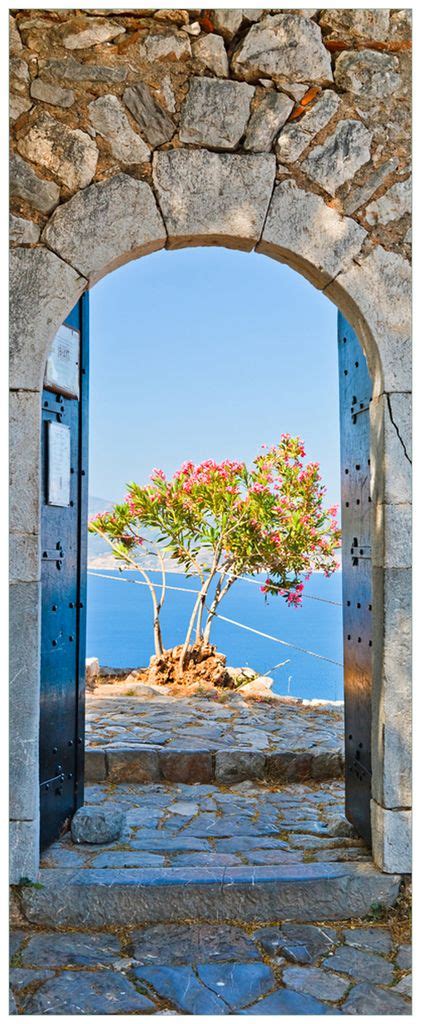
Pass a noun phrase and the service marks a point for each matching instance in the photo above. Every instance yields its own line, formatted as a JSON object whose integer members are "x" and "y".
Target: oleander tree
{"x": 222, "y": 521}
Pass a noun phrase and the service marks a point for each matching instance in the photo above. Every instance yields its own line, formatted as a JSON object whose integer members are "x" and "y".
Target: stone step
{"x": 147, "y": 764}
{"x": 301, "y": 892}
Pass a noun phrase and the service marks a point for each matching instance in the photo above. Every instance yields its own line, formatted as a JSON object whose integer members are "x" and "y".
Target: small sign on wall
{"x": 58, "y": 464}
{"x": 62, "y": 370}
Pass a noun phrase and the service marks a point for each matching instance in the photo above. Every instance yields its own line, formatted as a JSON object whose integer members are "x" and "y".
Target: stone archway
{"x": 202, "y": 196}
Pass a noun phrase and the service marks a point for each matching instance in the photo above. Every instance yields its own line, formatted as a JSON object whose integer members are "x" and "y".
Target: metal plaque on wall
{"x": 62, "y": 370}
{"x": 58, "y": 464}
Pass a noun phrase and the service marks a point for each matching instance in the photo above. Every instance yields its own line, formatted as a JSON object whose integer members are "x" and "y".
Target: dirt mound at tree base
{"x": 205, "y": 674}
{"x": 203, "y": 665}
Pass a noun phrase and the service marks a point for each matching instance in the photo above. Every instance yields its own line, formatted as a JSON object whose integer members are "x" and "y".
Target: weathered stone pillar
{"x": 392, "y": 720}
{"x": 43, "y": 289}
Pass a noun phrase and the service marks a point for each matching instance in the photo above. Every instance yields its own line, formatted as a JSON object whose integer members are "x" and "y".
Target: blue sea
{"x": 120, "y": 629}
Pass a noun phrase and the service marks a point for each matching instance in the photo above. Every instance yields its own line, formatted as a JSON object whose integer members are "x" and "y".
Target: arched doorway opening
{"x": 56, "y": 803}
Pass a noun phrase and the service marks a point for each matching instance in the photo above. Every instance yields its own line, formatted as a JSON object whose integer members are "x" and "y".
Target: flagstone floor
{"x": 212, "y": 969}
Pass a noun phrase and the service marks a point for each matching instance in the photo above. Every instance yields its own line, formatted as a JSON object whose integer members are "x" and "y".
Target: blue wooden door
{"x": 63, "y": 573}
{"x": 355, "y": 391}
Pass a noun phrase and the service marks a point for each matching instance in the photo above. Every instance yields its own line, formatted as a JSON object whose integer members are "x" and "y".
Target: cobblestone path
{"x": 212, "y": 969}
{"x": 196, "y": 723}
{"x": 211, "y": 826}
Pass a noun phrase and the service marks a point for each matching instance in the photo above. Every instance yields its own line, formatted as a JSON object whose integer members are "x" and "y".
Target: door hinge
{"x": 56, "y": 780}
{"x": 359, "y": 551}
{"x": 358, "y": 407}
{"x": 54, "y": 555}
{"x": 360, "y": 769}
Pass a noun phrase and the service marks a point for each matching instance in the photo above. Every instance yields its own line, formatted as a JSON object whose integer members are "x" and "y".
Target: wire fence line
{"x": 138, "y": 583}
{"x": 257, "y": 583}
{"x": 233, "y": 622}
{"x": 276, "y": 639}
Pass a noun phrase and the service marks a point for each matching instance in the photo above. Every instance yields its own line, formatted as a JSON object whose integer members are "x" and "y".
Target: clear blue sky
{"x": 208, "y": 353}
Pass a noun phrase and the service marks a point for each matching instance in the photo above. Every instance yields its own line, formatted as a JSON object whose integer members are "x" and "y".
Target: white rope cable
{"x": 138, "y": 583}
{"x": 240, "y": 625}
{"x": 276, "y": 640}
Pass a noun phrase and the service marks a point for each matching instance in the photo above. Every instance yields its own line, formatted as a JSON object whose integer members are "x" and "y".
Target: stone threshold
{"x": 302, "y": 892}
{"x": 147, "y": 764}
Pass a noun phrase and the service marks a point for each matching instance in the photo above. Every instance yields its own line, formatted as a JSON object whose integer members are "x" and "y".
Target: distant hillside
{"x": 96, "y": 505}
{"x": 99, "y": 554}
{"x": 107, "y": 561}
{"x": 96, "y": 546}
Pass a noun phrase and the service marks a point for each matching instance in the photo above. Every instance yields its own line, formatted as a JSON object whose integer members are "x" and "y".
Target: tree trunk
{"x": 157, "y": 635}
{"x": 197, "y": 611}
{"x": 219, "y": 595}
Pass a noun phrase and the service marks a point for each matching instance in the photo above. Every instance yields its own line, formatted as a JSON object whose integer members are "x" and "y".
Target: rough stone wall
{"x": 327, "y": 91}
{"x": 285, "y": 131}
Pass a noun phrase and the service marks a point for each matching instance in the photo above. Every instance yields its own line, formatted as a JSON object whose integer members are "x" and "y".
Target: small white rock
{"x": 193, "y": 29}
{"x": 91, "y": 669}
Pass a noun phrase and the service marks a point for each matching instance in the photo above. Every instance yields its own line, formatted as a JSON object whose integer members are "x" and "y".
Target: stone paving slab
{"x": 207, "y": 968}
{"x": 302, "y": 944}
{"x": 83, "y": 992}
{"x": 56, "y": 950}
{"x": 192, "y": 739}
